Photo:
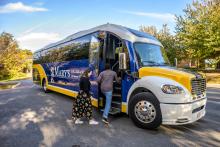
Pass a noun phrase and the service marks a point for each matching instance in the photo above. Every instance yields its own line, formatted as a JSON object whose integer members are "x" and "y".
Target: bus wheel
{"x": 44, "y": 85}
{"x": 144, "y": 110}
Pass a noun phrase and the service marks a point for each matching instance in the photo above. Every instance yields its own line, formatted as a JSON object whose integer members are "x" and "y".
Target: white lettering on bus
{"x": 73, "y": 73}
{"x": 55, "y": 72}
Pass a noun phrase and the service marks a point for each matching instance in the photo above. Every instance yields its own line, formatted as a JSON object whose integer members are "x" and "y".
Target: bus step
{"x": 117, "y": 88}
{"x": 116, "y": 95}
{"x": 113, "y": 111}
{"x": 116, "y": 104}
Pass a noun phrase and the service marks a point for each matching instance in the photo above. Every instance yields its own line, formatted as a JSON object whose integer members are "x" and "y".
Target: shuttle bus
{"x": 151, "y": 91}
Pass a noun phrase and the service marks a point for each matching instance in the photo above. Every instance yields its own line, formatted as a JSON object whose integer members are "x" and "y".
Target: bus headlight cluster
{"x": 172, "y": 89}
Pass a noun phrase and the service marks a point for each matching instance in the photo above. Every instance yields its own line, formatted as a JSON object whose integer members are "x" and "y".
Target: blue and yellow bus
{"x": 151, "y": 91}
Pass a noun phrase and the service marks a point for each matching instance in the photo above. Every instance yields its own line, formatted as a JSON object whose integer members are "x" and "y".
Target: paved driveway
{"x": 31, "y": 118}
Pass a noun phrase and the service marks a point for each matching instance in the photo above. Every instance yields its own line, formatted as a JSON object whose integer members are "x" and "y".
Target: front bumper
{"x": 178, "y": 114}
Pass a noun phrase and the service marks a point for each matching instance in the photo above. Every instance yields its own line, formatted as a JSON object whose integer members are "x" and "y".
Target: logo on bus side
{"x": 55, "y": 72}
{"x": 70, "y": 73}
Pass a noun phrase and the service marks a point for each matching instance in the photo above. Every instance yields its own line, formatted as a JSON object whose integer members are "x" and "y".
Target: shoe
{"x": 78, "y": 121}
{"x": 93, "y": 122}
{"x": 105, "y": 120}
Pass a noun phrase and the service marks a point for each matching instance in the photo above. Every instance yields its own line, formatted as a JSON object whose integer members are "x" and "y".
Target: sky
{"x": 36, "y": 23}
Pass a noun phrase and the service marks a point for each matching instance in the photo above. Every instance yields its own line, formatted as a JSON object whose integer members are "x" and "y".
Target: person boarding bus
{"x": 106, "y": 79}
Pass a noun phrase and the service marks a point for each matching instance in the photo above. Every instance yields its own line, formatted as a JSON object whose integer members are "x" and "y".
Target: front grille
{"x": 198, "y": 86}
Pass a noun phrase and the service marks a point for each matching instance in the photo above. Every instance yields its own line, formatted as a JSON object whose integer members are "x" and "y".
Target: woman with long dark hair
{"x": 82, "y": 105}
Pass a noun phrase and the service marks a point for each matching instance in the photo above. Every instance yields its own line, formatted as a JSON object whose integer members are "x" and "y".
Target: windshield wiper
{"x": 151, "y": 62}
{"x": 164, "y": 64}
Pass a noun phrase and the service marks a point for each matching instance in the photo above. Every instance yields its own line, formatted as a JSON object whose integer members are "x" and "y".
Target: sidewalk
{"x": 9, "y": 84}
{"x": 213, "y": 85}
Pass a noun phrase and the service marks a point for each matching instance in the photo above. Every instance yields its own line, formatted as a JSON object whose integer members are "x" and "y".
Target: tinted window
{"x": 78, "y": 49}
{"x": 73, "y": 50}
{"x": 36, "y": 57}
{"x": 94, "y": 53}
{"x": 125, "y": 49}
{"x": 36, "y": 76}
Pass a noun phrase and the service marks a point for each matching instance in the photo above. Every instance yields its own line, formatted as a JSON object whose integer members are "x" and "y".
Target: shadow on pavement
{"x": 30, "y": 117}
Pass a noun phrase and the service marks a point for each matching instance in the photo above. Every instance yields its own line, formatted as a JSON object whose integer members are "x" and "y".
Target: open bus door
{"x": 94, "y": 66}
{"x": 109, "y": 55}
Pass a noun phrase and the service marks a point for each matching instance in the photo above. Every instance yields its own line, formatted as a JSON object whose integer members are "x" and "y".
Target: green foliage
{"x": 167, "y": 39}
{"x": 13, "y": 61}
{"x": 198, "y": 31}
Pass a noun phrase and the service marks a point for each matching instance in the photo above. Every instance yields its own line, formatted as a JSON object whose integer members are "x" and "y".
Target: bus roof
{"x": 121, "y": 31}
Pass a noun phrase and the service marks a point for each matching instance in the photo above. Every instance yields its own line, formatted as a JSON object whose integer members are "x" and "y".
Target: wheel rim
{"x": 145, "y": 111}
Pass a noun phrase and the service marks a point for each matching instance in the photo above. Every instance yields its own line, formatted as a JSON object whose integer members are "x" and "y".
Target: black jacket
{"x": 85, "y": 84}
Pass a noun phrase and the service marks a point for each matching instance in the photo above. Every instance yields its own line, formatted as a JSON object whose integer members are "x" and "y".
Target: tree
{"x": 12, "y": 59}
{"x": 170, "y": 44}
{"x": 149, "y": 29}
{"x": 198, "y": 31}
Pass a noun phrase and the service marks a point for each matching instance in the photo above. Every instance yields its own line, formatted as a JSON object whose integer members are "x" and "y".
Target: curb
{"x": 8, "y": 83}
{"x": 14, "y": 86}
{"x": 11, "y": 85}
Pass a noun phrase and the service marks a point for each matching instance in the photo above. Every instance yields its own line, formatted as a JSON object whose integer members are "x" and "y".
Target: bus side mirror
{"x": 122, "y": 61}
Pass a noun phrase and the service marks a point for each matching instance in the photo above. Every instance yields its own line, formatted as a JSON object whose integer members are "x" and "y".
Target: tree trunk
{"x": 190, "y": 63}
{"x": 197, "y": 64}
{"x": 202, "y": 64}
{"x": 218, "y": 65}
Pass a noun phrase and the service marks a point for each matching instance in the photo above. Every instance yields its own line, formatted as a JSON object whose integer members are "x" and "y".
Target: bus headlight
{"x": 172, "y": 89}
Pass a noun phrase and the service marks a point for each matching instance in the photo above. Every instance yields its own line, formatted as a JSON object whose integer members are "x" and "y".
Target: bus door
{"x": 94, "y": 66}
{"x": 111, "y": 50}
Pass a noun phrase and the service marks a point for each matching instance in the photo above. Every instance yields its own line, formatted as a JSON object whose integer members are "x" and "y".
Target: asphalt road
{"x": 31, "y": 118}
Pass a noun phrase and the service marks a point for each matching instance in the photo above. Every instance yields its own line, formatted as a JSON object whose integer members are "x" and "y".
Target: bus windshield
{"x": 150, "y": 55}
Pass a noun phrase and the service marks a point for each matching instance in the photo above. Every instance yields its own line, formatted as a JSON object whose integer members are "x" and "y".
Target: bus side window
{"x": 79, "y": 48}
{"x": 94, "y": 52}
{"x": 125, "y": 50}
{"x": 101, "y": 37}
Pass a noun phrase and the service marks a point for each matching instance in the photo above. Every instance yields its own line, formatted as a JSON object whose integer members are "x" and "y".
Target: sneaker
{"x": 93, "y": 122}
{"x": 105, "y": 120}
{"x": 78, "y": 121}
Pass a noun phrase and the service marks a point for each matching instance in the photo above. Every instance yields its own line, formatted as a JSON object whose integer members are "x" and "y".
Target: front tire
{"x": 144, "y": 110}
